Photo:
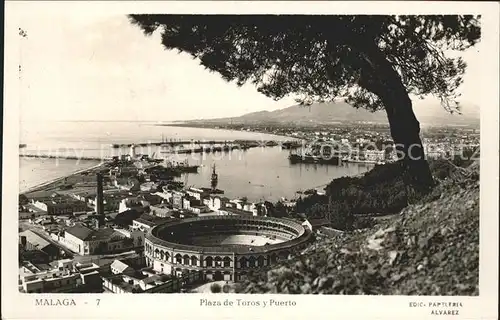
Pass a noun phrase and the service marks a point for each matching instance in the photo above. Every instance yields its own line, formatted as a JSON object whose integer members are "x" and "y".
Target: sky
{"x": 104, "y": 68}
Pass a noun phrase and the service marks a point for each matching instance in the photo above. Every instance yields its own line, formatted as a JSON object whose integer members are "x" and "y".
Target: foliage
{"x": 215, "y": 288}
{"x": 375, "y": 62}
{"x": 277, "y": 210}
{"x": 321, "y": 57}
{"x": 379, "y": 192}
{"x": 405, "y": 255}
{"x": 23, "y": 199}
{"x": 141, "y": 178}
{"x": 466, "y": 157}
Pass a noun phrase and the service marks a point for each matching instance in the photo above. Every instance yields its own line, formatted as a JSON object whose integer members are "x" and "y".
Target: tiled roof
{"x": 80, "y": 232}
{"x": 102, "y": 234}
{"x": 34, "y": 239}
{"x": 119, "y": 266}
{"x": 87, "y": 234}
{"x": 33, "y": 255}
{"x": 152, "y": 198}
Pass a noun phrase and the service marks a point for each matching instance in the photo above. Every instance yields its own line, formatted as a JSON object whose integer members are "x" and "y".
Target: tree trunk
{"x": 382, "y": 80}
{"x": 405, "y": 131}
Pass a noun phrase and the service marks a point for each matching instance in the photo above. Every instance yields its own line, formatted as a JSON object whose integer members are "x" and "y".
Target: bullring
{"x": 223, "y": 247}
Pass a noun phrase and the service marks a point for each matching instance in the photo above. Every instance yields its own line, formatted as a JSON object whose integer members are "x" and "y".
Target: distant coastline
{"x": 216, "y": 124}
{"x": 204, "y": 125}
{"x": 340, "y": 112}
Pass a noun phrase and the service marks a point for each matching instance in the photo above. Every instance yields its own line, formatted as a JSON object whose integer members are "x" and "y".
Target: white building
{"x": 196, "y": 193}
{"x": 213, "y": 202}
{"x": 85, "y": 241}
{"x": 118, "y": 267}
{"x": 162, "y": 211}
{"x": 131, "y": 203}
{"x": 40, "y": 205}
{"x": 237, "y": 203}
{"x": 64, "y": 276}
{"x": 33, "y": 280}
{"x": 127, "y": 283}
{"x": 148, "y": 186}
{"x": 374, "y": 155}
{"x": 166, "y": 195}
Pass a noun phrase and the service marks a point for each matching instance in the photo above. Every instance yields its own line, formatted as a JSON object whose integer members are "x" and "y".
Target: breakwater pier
{"x": 52, "y": 156}
{"x": 239, "y": 143}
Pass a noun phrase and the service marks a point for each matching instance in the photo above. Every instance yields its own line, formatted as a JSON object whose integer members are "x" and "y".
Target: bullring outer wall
{"x": 223, "y": 262}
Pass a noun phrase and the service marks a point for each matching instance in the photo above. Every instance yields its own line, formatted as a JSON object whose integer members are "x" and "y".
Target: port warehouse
{"x": 169, "y": 248}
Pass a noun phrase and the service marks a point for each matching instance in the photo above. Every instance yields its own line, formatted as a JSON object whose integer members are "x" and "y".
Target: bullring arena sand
{"x": 234, "y": 240}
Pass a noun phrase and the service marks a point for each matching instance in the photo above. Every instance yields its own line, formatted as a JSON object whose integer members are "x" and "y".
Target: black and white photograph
{"x": 235, "y": 154}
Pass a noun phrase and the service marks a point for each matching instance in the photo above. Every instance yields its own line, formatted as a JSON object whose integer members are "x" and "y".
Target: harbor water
{"x": 261, "y": 173}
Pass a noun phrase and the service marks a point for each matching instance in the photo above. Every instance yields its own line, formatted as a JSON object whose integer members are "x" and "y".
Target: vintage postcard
{"x": 250, "y": 160}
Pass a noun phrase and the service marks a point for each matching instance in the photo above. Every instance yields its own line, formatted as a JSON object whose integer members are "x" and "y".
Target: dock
{"x": 240, "y": 143}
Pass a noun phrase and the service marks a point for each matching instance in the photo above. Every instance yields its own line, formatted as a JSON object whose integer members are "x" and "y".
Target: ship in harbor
{"x": 312, "y": 158}
{"x": 183, "y": 167}
{"x": 170, "y": 169}
{"x": 316, "y": 154}
{"x": 214, "y": 181}
{"x": 289, "y": 145}
{"x": 173, "y": 185}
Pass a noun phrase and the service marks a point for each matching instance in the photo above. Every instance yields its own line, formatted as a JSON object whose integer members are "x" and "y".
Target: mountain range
{"x": 335, "y": 112}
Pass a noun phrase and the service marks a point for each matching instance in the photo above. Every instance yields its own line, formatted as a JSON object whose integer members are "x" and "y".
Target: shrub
{"x": 215, "y": 288}
{"x": 226, "y": 288}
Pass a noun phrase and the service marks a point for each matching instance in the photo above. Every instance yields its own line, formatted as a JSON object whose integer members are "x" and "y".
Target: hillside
{"x": 430, "y": 248}
{"x": 325, "y": 113}
{"x": 318, "y": 113}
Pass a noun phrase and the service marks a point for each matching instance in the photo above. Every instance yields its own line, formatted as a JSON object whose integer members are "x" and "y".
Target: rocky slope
{"x": 430, "y": 248}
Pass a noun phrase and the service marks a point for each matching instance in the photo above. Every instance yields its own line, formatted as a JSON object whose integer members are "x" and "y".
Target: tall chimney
{"x": 99, "y": 206}
{"x": 23, "y": 241}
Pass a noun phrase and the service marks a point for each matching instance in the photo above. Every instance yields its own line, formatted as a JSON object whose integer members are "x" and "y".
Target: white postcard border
{"x": 182, "y": 306}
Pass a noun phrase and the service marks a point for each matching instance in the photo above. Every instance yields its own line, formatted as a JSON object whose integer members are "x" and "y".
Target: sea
{"x": 261, "y": 173}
